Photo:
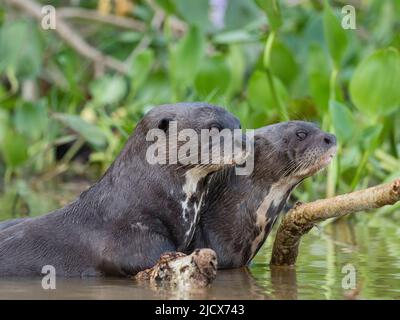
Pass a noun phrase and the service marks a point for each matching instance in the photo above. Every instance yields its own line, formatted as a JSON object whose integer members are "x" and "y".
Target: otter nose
{"x": 329, "y": 139}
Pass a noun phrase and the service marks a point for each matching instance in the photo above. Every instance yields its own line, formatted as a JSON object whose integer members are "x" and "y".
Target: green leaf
{"x": 31, "y": 119}
{"x": 273, "y": 11}
{"x": 235, "y": 36}
{"x": 129, "y": 37}
{"x": 374, "y": 86}
{"x": 185, "y": 58}
{"x": 156, "y": 91}
{"x": 141, "y": 66}
{"x": 370, "y": 136}
{"x": 20, "y": 48}
{"x": 108, "y": 90}
{"x": 168, "y": 5}
{"x": 318, "y": 77}
{"x": 213, "y": 77}
{"x": 259, "y": 92}
{"x": 14, "y": 149}
{"x": 194, "y": 12}
{"x": 237, "y": 66}
{"x": 343, "y": 120}
{"x": 335, "y": 35}
{"x": 283, "y": 64}
{"x": 239, "y": 14}
{"x": 88, "y": 131}
{"x": 3, "y": 124}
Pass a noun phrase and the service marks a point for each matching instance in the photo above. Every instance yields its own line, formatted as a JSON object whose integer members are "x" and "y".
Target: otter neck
{"x": 177, "y": 189}
{"x": 269, "y": 206}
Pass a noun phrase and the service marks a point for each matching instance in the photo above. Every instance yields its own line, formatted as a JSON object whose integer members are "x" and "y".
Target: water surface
{"x": 371, "y": 246}
{"x": 367, "y": 242}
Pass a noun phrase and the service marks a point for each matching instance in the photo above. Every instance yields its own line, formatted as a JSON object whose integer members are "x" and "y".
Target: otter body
{"x": 238, "y": 212}
{"x": 124, "y": 222}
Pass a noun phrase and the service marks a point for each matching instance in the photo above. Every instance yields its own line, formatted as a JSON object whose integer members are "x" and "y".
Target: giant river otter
{"x": 238, "y": 212}
{"x": 133, "y": 214}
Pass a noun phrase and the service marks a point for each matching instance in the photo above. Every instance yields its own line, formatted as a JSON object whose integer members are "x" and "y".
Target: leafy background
{"x": 64, "y": 118}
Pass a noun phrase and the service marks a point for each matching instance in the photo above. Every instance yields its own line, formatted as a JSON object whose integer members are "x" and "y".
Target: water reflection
{"x": 373, "y": 248}
{"x": 230, "y": 284}
{"x": 284, "y": 283}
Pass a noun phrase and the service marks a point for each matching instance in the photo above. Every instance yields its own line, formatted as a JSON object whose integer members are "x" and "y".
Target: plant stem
{"x": 360, "y": 169}
{"x": 73, "y": 150}
{"x": 332, "y": 84}
{"x": 332, "y": 179}
{"x": 271, "y": 82}
{"x": 333, "y": 168}
{"x": 7, "y": 175}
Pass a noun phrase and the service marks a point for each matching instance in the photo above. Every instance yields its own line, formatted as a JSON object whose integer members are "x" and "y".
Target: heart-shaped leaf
{"x": 374, "y": 86}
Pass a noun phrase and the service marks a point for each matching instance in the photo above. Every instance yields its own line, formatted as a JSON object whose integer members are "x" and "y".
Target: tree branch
{"x": 111, "y": 19}
{"x": 299, "y": 220}
{"x": 71, "y": 37}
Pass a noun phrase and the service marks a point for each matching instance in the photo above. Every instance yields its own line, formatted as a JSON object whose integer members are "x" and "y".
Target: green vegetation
{"x": 271, "y": 61}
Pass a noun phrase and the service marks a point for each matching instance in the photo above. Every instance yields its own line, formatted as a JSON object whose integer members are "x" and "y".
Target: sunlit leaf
{"x": 370, "y": 136}
{"x": 213, "y": 77}
{"x": 194, "y": 12}
{"x": 335, "y": 35}
{"x": 374, "y": 86}
{"x": 283, "y": 63}
{"x": 141, "y": 67}
{"x": 156, "y": 91}
{"x": 3, "y": 124}
{"x": 260, "y": 95}
{"x": 318, "y": 77}
{"x": 185, "y": 58}
{"x": 88, "y": 131}
{"x": 239, "y": 13}
{"x": 20, "y": 48}
{"x": 272, "y": 9}
{"x": 236, "y": 36}
{"x": 108, "y": 90}
{"x": 14, "y": 149}
{"x": 167, "y": 5}
{"x": 30, "y": 119}
{"x": 237, "y": 66}
{"x": 343, "y": 120}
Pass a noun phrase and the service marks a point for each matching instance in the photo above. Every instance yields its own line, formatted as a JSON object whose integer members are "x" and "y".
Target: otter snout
{"x": 329, "y": 140}
{"x": 329, "y": 143}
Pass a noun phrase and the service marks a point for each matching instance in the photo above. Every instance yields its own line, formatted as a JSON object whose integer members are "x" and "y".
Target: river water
{"x": 367, "y": 251}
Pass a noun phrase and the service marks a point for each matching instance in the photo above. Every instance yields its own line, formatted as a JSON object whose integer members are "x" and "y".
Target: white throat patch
{"x": 274, "y": 197}
{"x": 192, "y": 178}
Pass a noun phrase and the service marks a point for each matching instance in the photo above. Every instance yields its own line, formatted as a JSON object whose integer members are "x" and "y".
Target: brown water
{"x": 372, "y": 246}
{"x": 370, "y": 243}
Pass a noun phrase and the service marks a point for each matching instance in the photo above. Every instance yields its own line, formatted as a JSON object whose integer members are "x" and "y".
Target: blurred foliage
{"x": 264, "y": 60}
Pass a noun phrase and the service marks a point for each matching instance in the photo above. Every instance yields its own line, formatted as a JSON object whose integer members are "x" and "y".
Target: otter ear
{"x": 164, "y": 124}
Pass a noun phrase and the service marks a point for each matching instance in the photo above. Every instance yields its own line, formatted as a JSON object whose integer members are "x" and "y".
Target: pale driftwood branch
{"x": 71, "y": 37}
{"x": 86, "y": 14}
{"x": 299, "y": 220}
{"x": 198, "y": 269}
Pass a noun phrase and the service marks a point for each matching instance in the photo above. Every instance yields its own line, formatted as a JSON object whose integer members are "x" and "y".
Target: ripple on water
{"x": 374, "y": 253}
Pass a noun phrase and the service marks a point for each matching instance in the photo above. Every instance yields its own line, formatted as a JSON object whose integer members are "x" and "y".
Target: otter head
{"x": 293, "y": 149}
{"x": 191, "y": 136}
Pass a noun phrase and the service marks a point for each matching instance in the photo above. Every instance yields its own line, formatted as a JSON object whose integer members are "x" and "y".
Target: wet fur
{"x": 228, "y": 219}
{"x": 124, "y": 222}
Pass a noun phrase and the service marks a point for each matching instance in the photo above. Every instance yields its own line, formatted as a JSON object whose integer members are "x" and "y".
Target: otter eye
{"x": 301, "y": 135}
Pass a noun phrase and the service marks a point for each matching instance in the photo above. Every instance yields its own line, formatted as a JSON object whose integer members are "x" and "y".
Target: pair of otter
{"x": 137, "y": 211}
